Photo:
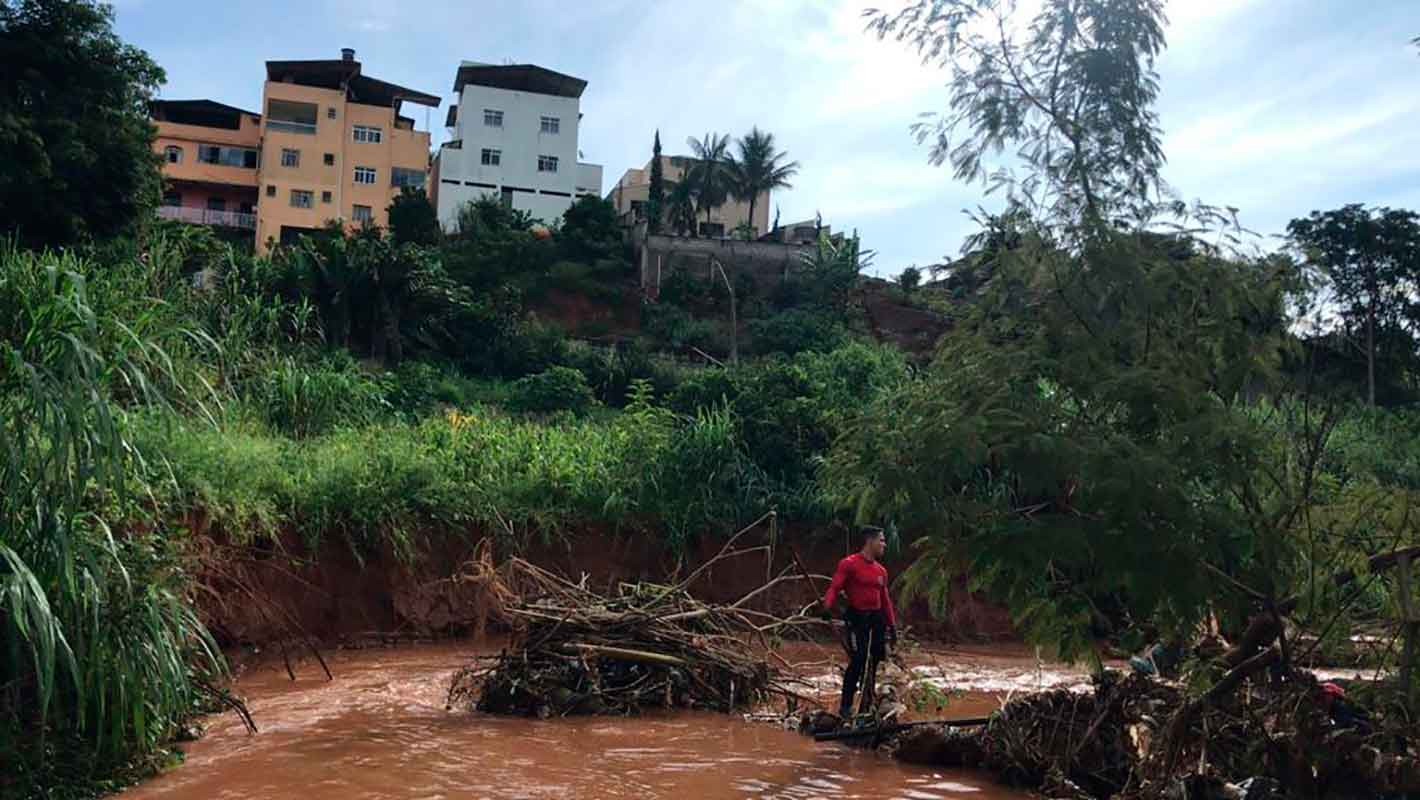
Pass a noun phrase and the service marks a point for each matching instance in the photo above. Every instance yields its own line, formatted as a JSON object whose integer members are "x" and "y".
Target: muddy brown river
{"x": 380, "y": 730}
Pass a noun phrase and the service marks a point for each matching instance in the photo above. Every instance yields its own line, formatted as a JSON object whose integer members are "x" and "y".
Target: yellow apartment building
{"x": 629, "y": 196}
{"x": 331, "y": 144}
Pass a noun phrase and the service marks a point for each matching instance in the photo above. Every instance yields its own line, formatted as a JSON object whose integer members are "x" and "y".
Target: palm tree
{"x": 710, "y": 174}
{"x": 680, "y": 207}
{"x": 759, "y": 168}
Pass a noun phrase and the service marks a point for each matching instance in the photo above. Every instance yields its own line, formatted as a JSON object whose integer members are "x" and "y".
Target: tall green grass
{"x": 396, "y": 486}
{"x": 100, "y": 646}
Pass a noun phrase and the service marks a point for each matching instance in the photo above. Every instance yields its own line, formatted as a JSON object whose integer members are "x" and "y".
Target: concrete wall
{"x": 660, "y": 256}
{"x": 545, "y": 195}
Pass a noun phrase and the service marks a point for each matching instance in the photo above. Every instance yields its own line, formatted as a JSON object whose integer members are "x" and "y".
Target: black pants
{"x": 867, "y": 634}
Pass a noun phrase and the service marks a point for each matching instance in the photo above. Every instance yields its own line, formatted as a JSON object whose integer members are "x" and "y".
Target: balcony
{"x": 291, "y": 116}
{"x": 288, "y": 126}
{"x": 205, "y": 216}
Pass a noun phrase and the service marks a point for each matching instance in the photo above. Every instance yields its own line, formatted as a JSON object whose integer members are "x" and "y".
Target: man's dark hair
{"x": 868, "y": 533}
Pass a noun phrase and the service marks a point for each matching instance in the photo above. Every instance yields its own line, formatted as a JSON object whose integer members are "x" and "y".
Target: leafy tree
{"x": 909, "y": 280}
{"x": 1372, "y": 259}
{"x": 759, "y": 168}
{"x": 710, "y": 176}
{"x": 590, "y": 230}
{"x": 413, "y": 219}
{"x": 656, "y": 195}
{"x": 1083, "y": 427}
{"x": 1076, "y": 86}
{"x": 74, "y": 132}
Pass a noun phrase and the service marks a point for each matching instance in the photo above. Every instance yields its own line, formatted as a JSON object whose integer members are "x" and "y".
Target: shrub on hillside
{"x": 528, "y": 347}
{"x": 797, "y": 330}
{"x": 418, "y": 386}
{"x": 309, "y": 398}
{"x": 678, "y": 329}
{"x": 611, "y": 371}
{"x": 553, "y": 389}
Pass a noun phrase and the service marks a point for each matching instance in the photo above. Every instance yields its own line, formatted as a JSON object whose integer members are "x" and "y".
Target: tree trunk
{"x": 1371, "y": 351}
{"x": 754, "y": 232}
{"x": 394, "y": 344}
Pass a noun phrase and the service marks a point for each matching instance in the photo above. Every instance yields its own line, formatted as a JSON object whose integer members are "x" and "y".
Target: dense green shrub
{"x": 678, "y": 329}
{"x": 553, "y": 389}
{"x": 797, "y": 330}
{"x": 306, "y": 398}
{"x": 528, "y": 347}
{"x": 611, "y": 371}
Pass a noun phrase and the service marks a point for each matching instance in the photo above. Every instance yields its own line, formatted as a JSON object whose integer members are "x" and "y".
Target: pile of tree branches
{"x": 642, "y": 645}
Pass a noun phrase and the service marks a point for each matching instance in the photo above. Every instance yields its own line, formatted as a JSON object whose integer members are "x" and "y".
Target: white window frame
{"x": 492, "y": 118}
{"x": 491, "y": 157}
{"x": 547, "y": 163}
{"x": 295, "y": 157}
{"x": 170, "y": 151}
{"x": 309, "y": 195}
{"x": 369, "y": 134}
{"x": 368, "y": 173}
{"x": 552, "y": 125}
{"x": 355, "y": 213}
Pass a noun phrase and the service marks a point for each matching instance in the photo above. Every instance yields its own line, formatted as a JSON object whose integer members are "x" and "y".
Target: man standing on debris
{"x": 869, "y": 617}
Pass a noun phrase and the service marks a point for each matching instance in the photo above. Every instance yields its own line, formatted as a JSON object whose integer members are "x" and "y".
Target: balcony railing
{"x": 291, "y": 127}
{"x": 207, "y": 216}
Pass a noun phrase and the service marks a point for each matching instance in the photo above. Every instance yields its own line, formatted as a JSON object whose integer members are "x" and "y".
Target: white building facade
{"x": 513, "y": 136}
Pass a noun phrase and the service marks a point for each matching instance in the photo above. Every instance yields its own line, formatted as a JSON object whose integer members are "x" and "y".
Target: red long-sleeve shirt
{"x": 864, "y": 583}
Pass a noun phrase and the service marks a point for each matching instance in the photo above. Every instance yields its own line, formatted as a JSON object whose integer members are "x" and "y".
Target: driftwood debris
{"x": 640, "y": 645}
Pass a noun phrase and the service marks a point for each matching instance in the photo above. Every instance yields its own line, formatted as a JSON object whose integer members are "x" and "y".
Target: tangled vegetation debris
{"x": 644, "y": 645}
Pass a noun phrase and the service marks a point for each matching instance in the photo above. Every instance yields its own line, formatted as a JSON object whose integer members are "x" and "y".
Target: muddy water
{"x": 379, "y": 730}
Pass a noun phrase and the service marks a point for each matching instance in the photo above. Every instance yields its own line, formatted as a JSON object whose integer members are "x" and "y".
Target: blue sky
{"x": 1276, "y": 107}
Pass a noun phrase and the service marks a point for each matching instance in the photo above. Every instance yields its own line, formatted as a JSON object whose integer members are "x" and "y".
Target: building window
{"x": 551, "y": 125}
{"x": 492, "y": 158}
{"x": 712, "y": 229}
{"x": 290, "y": 158}
{"x": 507, "y": 198}
{"x": 638, "y": 209}
{"x": 226, "y": 156}
{"x": 172, "y": 199}
{"x": 216, "y": 204}
{"x": 492, "y": 118}
{"x": 362, "y": 214}
{"x": 330, "y": 159}
{"x": 402, "y": 177}
{"x": 547, "y": 163}
{"x": 368, "y": 134}
{"x": 325, "y": 197}
{"x": 364, "y": 174}
{"x": 270, "y": 190}
{"x": 173, "y": 154}
{"x": 330, "y": 112}
{"x": 300, "y": 198}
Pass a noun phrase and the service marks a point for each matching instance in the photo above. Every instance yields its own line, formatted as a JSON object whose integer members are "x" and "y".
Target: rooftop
{"x": 344, "y": 73}
{"x": 518, "y": 78}
{"x": 207, "y": 113}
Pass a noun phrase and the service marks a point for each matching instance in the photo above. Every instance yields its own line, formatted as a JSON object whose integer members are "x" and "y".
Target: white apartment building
{"x": 513, "y": 132}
